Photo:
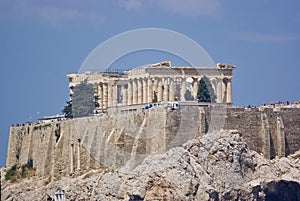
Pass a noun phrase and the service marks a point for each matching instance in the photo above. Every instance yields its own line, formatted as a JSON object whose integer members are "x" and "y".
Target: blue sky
{"x": 42, "y": 41}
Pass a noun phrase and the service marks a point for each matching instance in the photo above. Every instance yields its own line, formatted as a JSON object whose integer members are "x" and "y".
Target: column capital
{"x": 227, "y": 79}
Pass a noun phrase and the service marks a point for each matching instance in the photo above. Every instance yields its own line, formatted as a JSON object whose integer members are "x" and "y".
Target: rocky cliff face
{"x": 217, "y": 166}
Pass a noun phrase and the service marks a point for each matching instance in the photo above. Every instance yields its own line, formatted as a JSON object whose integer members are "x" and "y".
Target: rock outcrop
{"x": 217, "y": 166}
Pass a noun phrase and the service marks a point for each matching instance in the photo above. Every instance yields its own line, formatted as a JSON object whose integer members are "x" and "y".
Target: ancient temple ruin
{"x": 155, "y": 83}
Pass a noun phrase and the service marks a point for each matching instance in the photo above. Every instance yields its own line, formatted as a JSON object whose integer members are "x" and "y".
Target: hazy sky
{"x": 42, "y": 41}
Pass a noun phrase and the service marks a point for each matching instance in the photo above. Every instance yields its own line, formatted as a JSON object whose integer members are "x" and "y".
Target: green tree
{"x": 67, "y": 111}
{"x": 205, "y": 91}
{"x": 83, "y": 101}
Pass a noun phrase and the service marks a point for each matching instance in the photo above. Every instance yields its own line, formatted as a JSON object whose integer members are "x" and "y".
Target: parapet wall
{"x": 122, "y": 137}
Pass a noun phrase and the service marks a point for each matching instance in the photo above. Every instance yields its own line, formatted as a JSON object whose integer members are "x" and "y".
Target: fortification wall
{"x": 126, "y": 137}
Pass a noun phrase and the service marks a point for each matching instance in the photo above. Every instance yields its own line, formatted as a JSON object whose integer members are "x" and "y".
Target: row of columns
{"x": 145, "y": 90}
{"x": 224, "y": 90}
{"x": 107, "y": 95}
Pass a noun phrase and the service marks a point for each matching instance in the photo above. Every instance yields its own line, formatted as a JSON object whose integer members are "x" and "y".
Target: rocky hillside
{"x": 217, "y": 166}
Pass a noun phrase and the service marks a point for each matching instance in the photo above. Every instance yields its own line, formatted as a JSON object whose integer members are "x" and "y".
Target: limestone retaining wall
{"x": 270, "y": 131}
{"x": 126, "y": 137}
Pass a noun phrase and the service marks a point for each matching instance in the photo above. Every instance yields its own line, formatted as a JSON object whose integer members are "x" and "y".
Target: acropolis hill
{"x": 125, "y": 133}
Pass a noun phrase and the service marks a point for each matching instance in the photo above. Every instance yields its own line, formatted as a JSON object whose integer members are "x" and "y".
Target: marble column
{"x": 140, "y": 91}
{"x": 129, "y": 92}
{"x": 100, "y": 95}
{"x": 155, "y": 87}
{"x": 124, "y": 95}
{"x": 159, "y": 90}
{"x": 134, "y": 92}
{"x": 219, "y": 91}
{"x": 105, "y": 95}
{"x": 166, "y": 90}
{"x": 224, "y": 92}
{"x": 195, "y": 88}
{"x": 145, "y": 90}
{"x": 229, "y": 91}
{"x": 150, "y": 91}
{"x": 213, "y": 84}
{"x": 171, "y": 91}
{"x": 115, "y": 95}
{"x": 183, "y": 89}
{"x": 110, "y": 95}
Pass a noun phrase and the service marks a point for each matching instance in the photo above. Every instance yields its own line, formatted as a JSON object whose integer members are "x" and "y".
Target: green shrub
{"x": 39, "y": 127}
{"x": 11, "y": 173}
{"x": 23, "y": 171}
{"x": 15, "y": 173}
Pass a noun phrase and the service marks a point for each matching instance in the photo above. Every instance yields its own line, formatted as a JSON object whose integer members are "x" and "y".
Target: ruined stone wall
{"x": 127, "y": 137}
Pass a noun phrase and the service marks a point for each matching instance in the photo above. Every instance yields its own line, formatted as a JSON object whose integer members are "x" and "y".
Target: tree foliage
{"x": 68, "y": 110}
{"x": 205, "y": 91}
{"x": 83, "y": 101}
{"x": 17, "y": 172}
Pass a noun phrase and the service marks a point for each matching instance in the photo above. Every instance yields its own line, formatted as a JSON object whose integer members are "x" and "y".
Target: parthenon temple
{"x": 155, "y": 83}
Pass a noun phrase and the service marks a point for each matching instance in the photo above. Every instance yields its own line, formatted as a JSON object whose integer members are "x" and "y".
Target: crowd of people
{"x": 278, "y": 104}
{"x": 295, "y": 104}
{"x": 29, "y": 123}
{"x": 283, "y": 104}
